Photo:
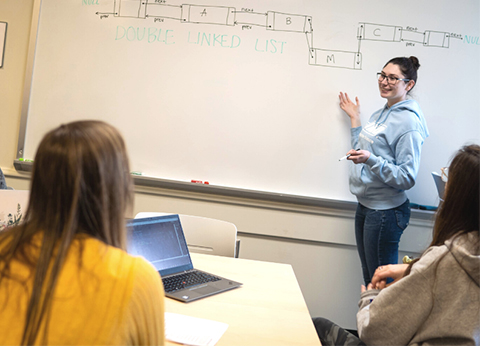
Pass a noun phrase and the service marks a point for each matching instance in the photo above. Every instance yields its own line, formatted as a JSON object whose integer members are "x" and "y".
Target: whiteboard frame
{"x": 329, "y": 206}
{"x": 3, "y": 41}
{"x": 27, "y": 86}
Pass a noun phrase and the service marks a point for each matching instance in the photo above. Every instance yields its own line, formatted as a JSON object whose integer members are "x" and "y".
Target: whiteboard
{"x": 244, "y": 94}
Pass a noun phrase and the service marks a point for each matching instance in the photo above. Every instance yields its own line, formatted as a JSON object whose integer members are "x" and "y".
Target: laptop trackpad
{"x": 205, "y": 290}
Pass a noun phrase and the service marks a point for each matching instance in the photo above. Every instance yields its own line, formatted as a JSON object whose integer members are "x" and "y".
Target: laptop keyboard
{"x": 184, "y": 280}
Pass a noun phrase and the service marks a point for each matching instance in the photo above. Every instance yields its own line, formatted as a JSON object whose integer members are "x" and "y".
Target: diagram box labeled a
{"x": 208, "y": 15}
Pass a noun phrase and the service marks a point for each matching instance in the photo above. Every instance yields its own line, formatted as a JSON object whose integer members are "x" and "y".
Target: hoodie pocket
{"x": 357, "y": 184}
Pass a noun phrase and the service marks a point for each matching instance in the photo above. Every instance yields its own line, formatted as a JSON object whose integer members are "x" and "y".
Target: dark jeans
{"x": 331, "y": 334}
{"x": 378, "y": 233}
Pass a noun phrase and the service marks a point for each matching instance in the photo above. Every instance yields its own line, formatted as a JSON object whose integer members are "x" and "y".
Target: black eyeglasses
{"x": 390, "y": 79}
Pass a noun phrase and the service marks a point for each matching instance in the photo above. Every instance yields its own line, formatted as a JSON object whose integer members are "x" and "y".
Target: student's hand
{"x": 352, "y": 109}
{"x": 358, "y": 156}
{"x": 393, "y": 271}
{"x": 369, "y": 287}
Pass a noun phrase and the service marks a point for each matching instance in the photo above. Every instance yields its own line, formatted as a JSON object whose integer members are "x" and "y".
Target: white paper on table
{"x": 192, "y": 330}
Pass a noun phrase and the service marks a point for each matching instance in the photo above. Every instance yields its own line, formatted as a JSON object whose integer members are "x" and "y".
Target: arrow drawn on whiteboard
{"x": 283, "y": 22}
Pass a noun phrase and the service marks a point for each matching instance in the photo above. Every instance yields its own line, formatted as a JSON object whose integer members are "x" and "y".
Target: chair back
{"x": 13, "y": 205}
{"x": 205, "y": 235}
{"x": 440, "y": 184}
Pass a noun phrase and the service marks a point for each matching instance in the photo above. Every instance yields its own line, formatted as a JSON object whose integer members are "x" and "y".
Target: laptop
{"x": 440, "y": 184}
{"x": 160, "y": 240}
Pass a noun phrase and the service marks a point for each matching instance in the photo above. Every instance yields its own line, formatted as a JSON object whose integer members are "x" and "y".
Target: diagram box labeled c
{"x": 378, "y": 32}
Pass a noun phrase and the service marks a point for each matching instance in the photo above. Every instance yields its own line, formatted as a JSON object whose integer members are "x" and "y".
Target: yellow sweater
{"x": 104, "y": 296}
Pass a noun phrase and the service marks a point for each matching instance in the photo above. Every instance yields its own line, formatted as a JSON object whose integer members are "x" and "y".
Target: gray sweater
{"x": 437, "y": 304}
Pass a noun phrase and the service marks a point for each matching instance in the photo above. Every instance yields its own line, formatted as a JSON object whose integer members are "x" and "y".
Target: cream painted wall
{"x": 318, "y": 242}
{"x": 18, "y": 15}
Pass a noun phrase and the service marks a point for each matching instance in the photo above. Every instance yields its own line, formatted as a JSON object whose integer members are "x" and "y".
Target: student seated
{"x": 434, "y": 300}
{"x": 65, "y": 277}
{"x": 3, "y": 184}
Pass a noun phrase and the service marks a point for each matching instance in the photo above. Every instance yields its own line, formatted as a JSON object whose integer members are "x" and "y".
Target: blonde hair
{"x": 80, "y": 185}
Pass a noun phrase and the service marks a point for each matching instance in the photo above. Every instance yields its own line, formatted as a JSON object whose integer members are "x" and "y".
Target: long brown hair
{"x": 80, "y": 184}
{"x": 459, "y": 212}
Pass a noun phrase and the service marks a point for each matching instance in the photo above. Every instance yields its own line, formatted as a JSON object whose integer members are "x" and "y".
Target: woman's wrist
{"x": 355, "y": 121}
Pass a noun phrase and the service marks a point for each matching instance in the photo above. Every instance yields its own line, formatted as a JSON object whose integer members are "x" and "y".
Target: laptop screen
{"x": 160, "y": 240}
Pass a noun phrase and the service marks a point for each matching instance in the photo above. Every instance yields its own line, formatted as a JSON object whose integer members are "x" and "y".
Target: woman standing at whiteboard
{"x": 386, "y": 154}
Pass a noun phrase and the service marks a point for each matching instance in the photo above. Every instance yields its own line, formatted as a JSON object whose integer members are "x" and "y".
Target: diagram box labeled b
{"x": 288, "y": 22}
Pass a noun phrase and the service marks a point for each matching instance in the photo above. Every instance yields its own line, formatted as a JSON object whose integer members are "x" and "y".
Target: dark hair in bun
{"x": 408, "y": 66}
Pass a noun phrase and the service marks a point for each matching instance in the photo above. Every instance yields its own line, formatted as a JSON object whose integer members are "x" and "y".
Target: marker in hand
{"x": 347, "y": 156}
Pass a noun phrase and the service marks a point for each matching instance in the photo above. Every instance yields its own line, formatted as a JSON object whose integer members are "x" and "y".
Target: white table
{"x": 269, "y": 309}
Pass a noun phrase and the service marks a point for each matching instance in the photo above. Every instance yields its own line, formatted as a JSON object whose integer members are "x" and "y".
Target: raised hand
{"x": 350, "y": 108}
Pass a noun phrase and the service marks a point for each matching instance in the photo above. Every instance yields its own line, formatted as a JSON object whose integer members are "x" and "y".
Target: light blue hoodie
{"x": 394, "y": 137}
